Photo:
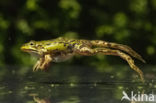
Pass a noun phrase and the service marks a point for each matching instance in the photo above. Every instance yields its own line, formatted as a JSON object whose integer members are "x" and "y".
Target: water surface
{"x": 72, "y": 85}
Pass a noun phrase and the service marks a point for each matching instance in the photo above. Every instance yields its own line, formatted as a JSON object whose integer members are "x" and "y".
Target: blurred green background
{"x": 129, "y": 22}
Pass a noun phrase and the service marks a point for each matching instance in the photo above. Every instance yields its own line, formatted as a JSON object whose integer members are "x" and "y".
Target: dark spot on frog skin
{"x": 60, "y": 42}
{"x": 48, "y": 44}
{"x": 39, "y": 45}
{"x": 129, "y": 58}
{"x": 69, "y": 47}
{"x": 65, "y": 44}
{"x": 57, "y": 50}
{"x": 74, "y": 44}
{"x": 72, "y": 41}
{"x": 56, "y": 53}
{"x": 108, "y": 44}
{"x": 81, "y": 46}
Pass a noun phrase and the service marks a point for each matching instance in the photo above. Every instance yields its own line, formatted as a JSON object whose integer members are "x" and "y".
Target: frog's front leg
{"x": 43, "y": 62}
{"x": 38, "y": 64}
{"x": 88, "y": 51}
{"x": 100, "y": 43}
{"x": 46, "y": 63}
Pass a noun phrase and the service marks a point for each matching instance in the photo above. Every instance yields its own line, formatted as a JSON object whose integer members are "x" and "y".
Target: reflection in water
{"x": 46, "y": 100}
{"x": 87, "y": 93}
{"x": 75, "y": 93}
{"x": 89, "y": 88}
{"x": 38, "y": 100}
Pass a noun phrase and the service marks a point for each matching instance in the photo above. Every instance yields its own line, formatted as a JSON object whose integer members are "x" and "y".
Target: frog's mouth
{"x": 32, "y": 52}
{"x": 29, "y": 50}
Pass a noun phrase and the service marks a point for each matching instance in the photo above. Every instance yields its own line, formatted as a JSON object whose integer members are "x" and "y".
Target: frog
{"x": 62, "y": 48}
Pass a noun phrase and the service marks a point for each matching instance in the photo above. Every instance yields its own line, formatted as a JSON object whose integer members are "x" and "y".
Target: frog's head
{"x": 30, "y": 47}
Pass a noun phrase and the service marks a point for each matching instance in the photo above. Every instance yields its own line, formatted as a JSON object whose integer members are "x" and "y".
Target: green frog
{"x": 61, "y": 49}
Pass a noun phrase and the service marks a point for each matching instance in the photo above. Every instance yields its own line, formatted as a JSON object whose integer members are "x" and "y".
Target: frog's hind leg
{"x": 100, "y": 43}
{"x": 88, "y": 51}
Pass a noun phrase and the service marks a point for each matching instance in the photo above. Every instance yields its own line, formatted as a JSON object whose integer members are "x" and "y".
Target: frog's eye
{"x": 31, "y": 43}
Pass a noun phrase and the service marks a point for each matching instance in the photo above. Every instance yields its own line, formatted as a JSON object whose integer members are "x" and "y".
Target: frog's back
{"x": 62, "y": 43}
{"x": 76, "y": 42}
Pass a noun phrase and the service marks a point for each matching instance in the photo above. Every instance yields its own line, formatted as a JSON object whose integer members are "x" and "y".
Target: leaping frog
{"x": 61, "y": 49}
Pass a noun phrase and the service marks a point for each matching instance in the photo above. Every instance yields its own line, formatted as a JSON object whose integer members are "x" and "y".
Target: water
{"x": 71, "y": 85}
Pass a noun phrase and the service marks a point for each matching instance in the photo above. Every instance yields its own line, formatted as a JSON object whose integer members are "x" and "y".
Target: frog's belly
{"x": 61, "y": 58}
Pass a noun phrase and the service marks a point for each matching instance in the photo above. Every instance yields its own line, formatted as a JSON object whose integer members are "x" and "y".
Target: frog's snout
{"x": 22, "y": 48}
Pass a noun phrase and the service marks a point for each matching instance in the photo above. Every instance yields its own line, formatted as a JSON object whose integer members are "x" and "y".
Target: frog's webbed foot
{"x": 125, "y": 48}
{"x": 42, "y": 63}
{"x": 88, "y": 51}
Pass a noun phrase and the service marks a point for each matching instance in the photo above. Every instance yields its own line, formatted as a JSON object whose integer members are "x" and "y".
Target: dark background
{"x": 129, "y": 22}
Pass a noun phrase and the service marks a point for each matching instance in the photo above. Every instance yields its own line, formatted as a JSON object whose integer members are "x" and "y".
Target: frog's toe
{"x": 36, "y": 66}
{"x": 45, "y": 66}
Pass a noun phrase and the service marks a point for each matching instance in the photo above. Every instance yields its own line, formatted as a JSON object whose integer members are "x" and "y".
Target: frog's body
{"x": 61, "y": 49}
